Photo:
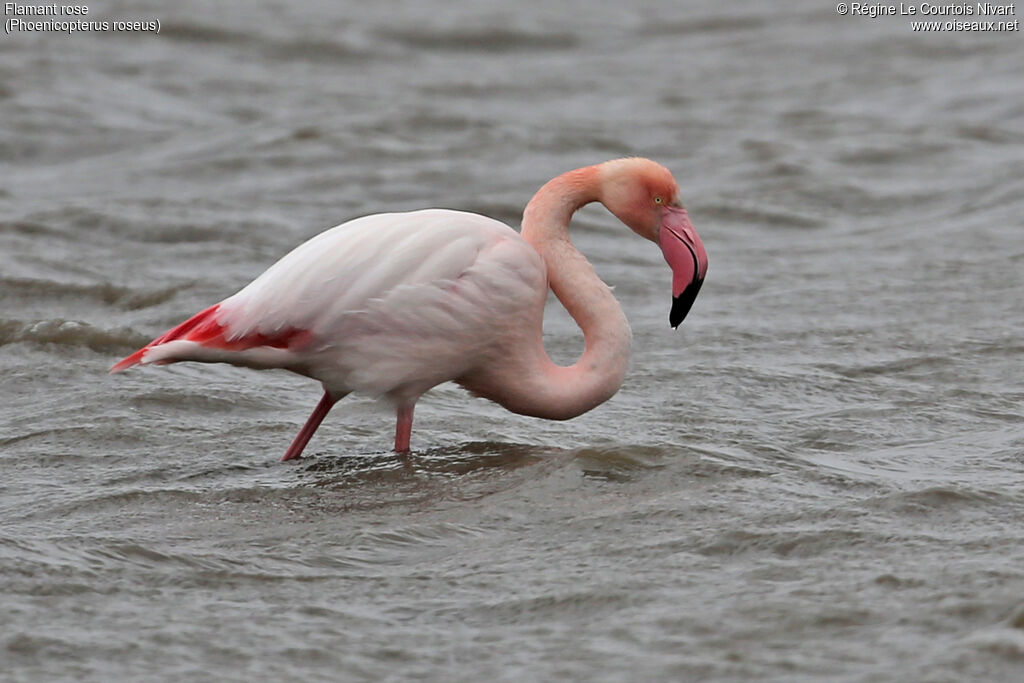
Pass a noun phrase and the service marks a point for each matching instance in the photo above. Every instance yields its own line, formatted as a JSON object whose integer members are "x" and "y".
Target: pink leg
{"x": 306, "y": 433}
{"x": 403, "y": 430}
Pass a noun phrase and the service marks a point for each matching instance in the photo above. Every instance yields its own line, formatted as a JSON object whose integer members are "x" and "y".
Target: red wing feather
{"x": 204, "y": 328}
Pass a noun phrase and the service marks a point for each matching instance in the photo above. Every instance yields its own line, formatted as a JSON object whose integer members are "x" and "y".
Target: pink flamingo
{"x": 394, "y": 304}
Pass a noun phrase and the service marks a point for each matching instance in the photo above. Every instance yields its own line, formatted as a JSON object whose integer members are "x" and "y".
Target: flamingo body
{"x": 394, "y": 304}
{"x": 385, "y": 305}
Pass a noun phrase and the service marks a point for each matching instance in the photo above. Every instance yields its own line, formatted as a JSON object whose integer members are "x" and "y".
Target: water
{"x": 817, "y": 477}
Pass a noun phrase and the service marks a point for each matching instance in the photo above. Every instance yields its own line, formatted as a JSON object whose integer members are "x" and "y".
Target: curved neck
{"x": 565, "y": 392}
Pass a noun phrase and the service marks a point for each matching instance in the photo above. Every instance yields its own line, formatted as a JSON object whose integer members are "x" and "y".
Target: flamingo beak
{"x": 684, "y": 253}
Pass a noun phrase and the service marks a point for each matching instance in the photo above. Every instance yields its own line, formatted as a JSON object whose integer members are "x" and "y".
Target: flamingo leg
{"x": 306, "y": 433}
{"x": 403, "y": 430}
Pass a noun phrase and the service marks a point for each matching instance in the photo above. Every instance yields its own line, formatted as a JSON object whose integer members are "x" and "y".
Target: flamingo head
{"x": 645, "y": 196}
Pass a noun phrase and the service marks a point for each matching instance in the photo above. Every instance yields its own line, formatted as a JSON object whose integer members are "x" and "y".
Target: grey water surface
{"x": 819, "y": 476}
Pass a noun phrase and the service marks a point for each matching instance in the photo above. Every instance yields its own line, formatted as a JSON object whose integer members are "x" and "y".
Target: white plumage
{"x": 393, "y": 303}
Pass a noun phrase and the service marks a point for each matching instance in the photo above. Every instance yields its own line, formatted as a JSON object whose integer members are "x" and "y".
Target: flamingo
{"x": 394, "y": 304}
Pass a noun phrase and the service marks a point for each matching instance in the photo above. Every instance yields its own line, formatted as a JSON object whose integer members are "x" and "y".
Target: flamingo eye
{"x": 658, "y": 200}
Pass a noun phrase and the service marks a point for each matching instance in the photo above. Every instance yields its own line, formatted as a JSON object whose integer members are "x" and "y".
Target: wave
{"x": 115, "y": 295}
{"x": 948, "y": 499}
{"x": 70, "y": 333}
{"x": 480, "y": 40}
{"x": 723, "y": 24}
{"x": 737, "y": 213}
{"x": 307, "y": 50}
{"x": 26, "y": 227}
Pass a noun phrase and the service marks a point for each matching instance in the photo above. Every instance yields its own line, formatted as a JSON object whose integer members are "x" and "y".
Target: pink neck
{"x": 565, "y": 392}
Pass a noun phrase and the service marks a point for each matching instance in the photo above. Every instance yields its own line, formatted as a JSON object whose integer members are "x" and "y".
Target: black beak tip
{"x": 678, "y": 312}
{"x": 682, "y": 304}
